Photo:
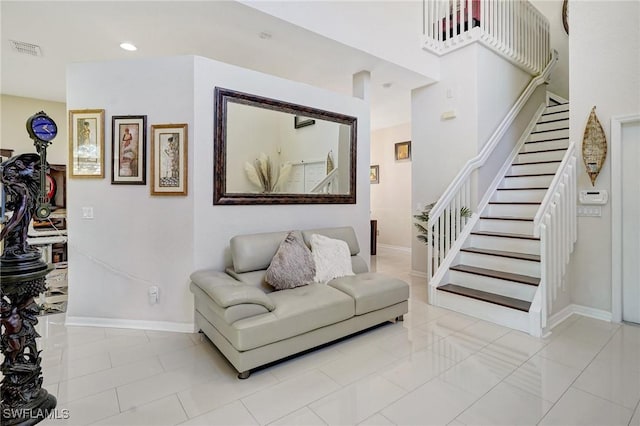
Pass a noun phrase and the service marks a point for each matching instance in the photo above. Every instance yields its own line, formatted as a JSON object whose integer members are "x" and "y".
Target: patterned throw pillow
{"x": 292, "y": 266}
{"x": 332, "y": 258}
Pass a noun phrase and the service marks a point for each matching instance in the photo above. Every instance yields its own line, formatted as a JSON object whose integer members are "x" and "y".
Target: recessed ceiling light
{"x": 265, "y": 35}
{"x": 128, "y": 46}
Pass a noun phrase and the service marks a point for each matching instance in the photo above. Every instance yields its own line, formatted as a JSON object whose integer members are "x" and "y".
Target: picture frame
{"x": 300, "y": 121}
{"x": 129, "y": 150}
{"x": 169, "y": 159}
{"x": 374, "y": 174}
{"x": 86, "y": 143}
{"x": 403, "y": 151}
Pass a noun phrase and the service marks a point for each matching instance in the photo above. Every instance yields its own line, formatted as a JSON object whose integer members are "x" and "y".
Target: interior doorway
{"x": 625, "y": 154}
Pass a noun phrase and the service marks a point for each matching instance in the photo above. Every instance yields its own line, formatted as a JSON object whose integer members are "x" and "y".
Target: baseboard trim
{"x": 392, "y": 247}
{"x": 586, "y": 311}
{"x": 177, "y": 327}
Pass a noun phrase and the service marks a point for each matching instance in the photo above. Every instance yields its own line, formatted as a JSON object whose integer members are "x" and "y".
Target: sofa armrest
{"x": 226, "y": 291}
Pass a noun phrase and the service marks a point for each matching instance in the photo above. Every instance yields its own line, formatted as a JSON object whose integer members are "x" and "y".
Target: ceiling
{"x": 88, "y": 31}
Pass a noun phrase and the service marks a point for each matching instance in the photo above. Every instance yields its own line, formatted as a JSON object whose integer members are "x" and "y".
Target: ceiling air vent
{"x": 25, "y": 48}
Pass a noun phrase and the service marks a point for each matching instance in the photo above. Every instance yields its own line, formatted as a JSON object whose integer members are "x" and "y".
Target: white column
{"x": 362, "y": 85}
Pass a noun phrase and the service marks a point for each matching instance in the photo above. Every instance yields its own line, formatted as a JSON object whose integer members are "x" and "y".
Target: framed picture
{"x": 300, "y": 121}
{"x": 86, "y": 143}
{"x": 403, "y": 150}
{"x": 374, "y": 174}
{"x": 129, "y": 150}
{"x": 169, "y": 159}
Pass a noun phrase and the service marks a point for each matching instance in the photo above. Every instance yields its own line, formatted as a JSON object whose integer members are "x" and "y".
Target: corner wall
{"x": 480, "y": 87}
{"x": 215, "y": 225}
{"x": 136, "y": 240}
{"x": 391, "y": 198}
{"x": 604, "y": 72}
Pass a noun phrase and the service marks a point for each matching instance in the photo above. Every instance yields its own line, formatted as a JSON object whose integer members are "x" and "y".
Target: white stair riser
{"x": 493, "y": 285}
{"x": 555, "y": 134}
{"x": 497, "y": 314}
{"x": 520, "y": 195}
{"x": 510, "y": 226}
{"x": 556, "y": 116}
{"x": 552, "y": 125}
{"x": 556, "y": 108}
{"x": 499, "y": 263}
{"x": 518, "y": 245}
{"x": 527, "y": 182}
{"x": 528, "y": 157}
{"x": 511, "y": 210}
{"x": 539, "y": 146}
{"x": 529, "y": 169}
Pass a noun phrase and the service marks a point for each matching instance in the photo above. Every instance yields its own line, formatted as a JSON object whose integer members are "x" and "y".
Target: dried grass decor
{"x": 264, "y": 175}
{"x": 594, "y": 146}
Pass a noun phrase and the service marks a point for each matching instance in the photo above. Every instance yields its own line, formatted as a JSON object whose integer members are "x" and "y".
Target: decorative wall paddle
{"x": 594, "y": 146}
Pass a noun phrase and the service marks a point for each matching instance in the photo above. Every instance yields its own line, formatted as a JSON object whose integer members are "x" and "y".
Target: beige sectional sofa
{"x": 252, "y": 325}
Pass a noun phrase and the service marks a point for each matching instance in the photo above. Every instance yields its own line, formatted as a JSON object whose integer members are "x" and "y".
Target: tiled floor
{"x": 435, "y": 368}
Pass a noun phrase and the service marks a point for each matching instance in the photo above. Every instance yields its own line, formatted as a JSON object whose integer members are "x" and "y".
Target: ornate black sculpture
{"x": 22, "y": 272}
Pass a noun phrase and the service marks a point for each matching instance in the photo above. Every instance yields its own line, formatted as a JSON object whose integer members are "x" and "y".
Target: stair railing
{"x": 327, "y": 184}
{"x": 445, "y": 225}
{"x": 556, "y": 225}
{"x": 514, "y": 29}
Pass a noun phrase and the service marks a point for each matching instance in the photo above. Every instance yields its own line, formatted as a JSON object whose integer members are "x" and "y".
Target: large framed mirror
{"x": 268, "y": 151}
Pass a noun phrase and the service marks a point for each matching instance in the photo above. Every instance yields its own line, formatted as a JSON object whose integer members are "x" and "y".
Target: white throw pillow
{"x": 332, "y": 258}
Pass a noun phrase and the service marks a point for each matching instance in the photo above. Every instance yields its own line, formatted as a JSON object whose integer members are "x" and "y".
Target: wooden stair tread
{"x": 543, "y": 150}
{"x": 523, "y": 279}
{"x": 521, "y": 219}
{"x": 519, "y": 203}
{"x": 552, "y": 121}
{"x": 532, "y": 175}
{"x": 549, "y": 140}
{"x": 536, "y": 162}
{"x": 555, "y": 112}
{"x": 496, "y": 299}
{"x": 521, "y": 189}
{"x": 501, "y": 253}
{"x": 505, "y": 235}
{"x": 550, "y": 130}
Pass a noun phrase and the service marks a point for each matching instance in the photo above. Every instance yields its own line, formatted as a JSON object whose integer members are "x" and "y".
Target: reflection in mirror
{"x": 274, "y": 152}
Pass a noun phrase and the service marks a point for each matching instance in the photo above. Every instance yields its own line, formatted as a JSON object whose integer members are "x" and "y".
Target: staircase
{"x": 498, "y": 270}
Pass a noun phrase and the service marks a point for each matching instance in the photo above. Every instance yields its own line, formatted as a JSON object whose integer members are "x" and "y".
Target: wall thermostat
{"x": 594, "y": 196}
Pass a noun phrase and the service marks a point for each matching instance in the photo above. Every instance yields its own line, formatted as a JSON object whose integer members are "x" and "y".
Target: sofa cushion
{"x": 372, "y": 291}
{"x": 332, "y": 258}
{"x": 254, "y": 251}
{"x": 298, "y": 310}
{"x": 345, "y": 233}
{"x": 292, "y": 266}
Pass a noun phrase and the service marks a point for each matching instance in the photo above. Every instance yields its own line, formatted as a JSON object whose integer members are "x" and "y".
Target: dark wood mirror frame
{"x": 220, "y": 194}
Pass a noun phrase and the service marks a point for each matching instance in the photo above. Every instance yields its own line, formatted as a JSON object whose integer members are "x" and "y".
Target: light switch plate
{"x": 87, "y": 212}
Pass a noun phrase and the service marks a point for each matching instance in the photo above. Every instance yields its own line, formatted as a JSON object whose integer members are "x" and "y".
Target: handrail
{"x": 326, "y": 180}
{"x": 488, "y": 148}
{"x": 457, "y": 194}
{"x": 547, "y": 200}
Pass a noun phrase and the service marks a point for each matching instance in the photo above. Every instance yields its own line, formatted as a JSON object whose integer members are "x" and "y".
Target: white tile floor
{"x": 435, "y": 368}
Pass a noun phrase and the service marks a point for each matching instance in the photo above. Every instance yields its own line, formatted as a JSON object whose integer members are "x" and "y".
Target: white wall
{"x": 480, "y": 87}
{"x": 605, "y": 72}
{"x": 137, "y": 240}
{"x": 14, "y": 112}
{"x": 391, "y": 198}
{"x": 552, "y": 10}
{"x": 215, "y": 225}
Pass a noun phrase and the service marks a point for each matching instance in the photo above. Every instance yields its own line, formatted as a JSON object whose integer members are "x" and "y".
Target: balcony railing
{"x": 514, "y": 29}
